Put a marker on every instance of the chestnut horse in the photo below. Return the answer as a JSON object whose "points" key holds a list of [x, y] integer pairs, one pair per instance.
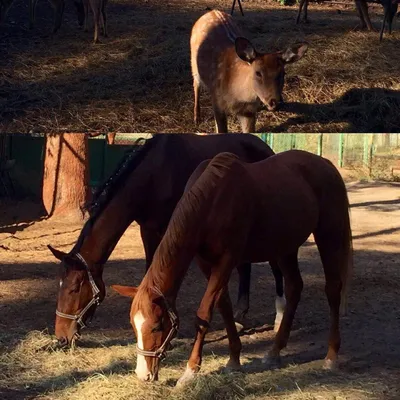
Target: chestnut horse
{"points": [[145, 188], [236, 212]]}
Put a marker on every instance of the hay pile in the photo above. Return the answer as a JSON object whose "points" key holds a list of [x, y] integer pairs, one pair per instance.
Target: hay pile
{"points": [[139, 79]]}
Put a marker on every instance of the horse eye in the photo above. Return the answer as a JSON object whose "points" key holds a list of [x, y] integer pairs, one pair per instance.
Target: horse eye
{"points": [[258, 74], [157, 328]]}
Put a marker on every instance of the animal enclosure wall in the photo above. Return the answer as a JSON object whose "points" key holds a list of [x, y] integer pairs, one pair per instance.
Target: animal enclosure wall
{"points": [[376, 155]]}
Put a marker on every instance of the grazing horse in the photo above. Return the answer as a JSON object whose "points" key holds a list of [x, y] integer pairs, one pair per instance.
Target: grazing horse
{"points": [[234, 212], [145, 188]]}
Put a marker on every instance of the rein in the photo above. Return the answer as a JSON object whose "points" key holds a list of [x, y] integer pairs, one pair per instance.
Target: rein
{"points": [[160, 352], [95, 299]]}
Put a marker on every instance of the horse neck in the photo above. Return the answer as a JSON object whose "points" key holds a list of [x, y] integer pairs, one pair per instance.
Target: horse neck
{"points": [[103, 234]]}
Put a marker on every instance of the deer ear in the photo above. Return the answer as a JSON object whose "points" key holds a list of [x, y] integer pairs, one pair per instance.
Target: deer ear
{"points": [[294, 53], [245, 50], [60, 255], [127, 291]]}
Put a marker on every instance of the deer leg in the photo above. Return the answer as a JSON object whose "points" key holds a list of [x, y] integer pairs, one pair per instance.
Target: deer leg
{"points": [[221, 122], [32, 10], [300, 9], [293, 287], [86, 11], [6, 6], [248, 123], [96, 18], [104, 17], [362, 11], [196, 89], [58, 6]]}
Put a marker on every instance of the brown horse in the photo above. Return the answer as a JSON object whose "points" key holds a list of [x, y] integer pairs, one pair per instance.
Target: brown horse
{"points": [[235, 212], [145, 188]]}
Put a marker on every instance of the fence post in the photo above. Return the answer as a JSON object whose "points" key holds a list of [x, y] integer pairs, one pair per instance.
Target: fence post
{"points": [[340, 158], [366, 149], [292, 141], [320, 142], [370, 153]]}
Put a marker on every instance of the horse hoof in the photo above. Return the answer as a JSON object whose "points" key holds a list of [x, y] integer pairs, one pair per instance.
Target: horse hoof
{"points": [[330, 365], [187, 377], [232, 366], [271, 362], [239, 326]]}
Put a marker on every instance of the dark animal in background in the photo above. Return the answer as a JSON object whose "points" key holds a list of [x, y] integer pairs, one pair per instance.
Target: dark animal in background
{"points": [[58, 6], [99, 16], [390, 7], [239, 79]]}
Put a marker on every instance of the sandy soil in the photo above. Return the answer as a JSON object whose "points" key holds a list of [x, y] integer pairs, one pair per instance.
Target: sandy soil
{"points": [[370, 354]]}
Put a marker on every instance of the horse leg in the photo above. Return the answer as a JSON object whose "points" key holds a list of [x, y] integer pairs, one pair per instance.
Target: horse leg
{"points": [[235, 345], [293, 287], [151, 239], [280, 301], [243, 302], [331, 260], [218, 277]]}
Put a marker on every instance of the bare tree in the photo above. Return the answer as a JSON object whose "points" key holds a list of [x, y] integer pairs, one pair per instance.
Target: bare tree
{"points": [[66, 174]]}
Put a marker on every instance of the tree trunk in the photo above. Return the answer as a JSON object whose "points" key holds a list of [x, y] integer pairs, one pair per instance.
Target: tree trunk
{"points": [[66, 174]]}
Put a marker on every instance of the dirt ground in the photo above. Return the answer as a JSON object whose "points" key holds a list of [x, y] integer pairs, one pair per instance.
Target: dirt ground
{"points": [[102, 366], [139, 79]]}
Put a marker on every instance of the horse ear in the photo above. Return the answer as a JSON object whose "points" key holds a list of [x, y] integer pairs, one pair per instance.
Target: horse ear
{"points": [[127, 291], [60, 255]]}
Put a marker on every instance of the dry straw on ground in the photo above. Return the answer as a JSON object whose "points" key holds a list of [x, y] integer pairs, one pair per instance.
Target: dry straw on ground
{"points": [[139, 79]]}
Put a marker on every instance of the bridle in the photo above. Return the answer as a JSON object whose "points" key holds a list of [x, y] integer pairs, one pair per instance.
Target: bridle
{"points": [[160, 352], [95, 299]]}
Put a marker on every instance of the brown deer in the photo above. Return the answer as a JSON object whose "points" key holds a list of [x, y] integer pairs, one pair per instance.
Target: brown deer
{"points": [[99, 16], [239, 79]]}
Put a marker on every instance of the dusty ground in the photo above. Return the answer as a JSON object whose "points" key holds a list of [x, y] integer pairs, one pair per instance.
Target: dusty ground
{"points": [[139, 79], [102, 367]]}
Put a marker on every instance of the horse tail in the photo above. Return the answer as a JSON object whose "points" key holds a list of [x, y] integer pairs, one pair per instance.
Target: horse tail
{"points": [[346, 267]]}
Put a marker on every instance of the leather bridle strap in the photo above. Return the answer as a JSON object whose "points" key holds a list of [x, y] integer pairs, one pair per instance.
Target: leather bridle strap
{"points": [[95, 299], [160, 352]]}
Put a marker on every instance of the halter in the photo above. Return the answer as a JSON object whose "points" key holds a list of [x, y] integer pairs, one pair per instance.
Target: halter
{"points": [[160, 352], [95, 299]]}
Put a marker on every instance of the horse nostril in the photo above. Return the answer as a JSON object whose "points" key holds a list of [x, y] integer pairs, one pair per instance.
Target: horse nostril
{"points": [[63, 341]]}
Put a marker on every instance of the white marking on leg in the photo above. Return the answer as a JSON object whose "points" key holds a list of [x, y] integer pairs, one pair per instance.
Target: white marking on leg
{"points": [[141, 370], [280, 304], [187, 376]]}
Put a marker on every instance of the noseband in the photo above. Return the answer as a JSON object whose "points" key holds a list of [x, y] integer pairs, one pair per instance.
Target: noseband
{"points": [[160, 352], [95, 299]]}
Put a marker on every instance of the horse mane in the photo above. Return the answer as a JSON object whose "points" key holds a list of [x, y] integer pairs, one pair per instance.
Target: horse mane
{"points": [[185, 219], [105, 193]]}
